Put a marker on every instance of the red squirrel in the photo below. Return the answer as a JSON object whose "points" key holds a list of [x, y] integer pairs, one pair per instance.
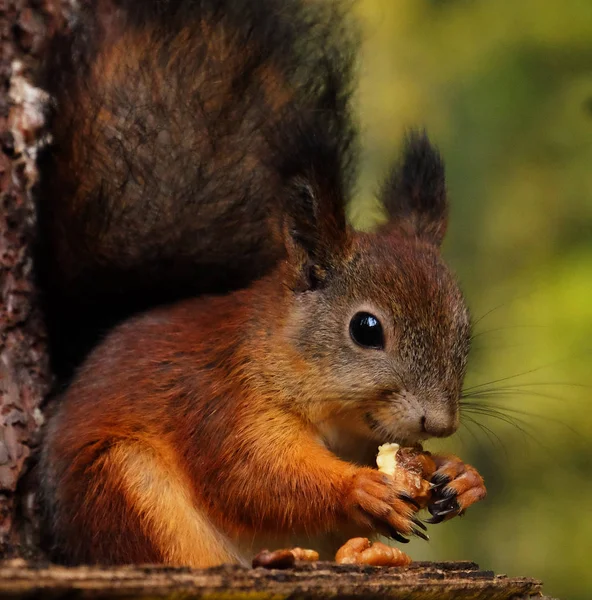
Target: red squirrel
{"points": [[236, 415]]}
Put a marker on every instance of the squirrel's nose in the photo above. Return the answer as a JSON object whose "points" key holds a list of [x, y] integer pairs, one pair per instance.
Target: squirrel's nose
{"points": [[440, 423]]}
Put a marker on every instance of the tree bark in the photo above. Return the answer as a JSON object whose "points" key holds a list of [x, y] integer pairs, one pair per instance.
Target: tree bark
{"points": [[25, 28]]}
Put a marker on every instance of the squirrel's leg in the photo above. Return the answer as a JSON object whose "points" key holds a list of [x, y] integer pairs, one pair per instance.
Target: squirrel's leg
{"points": [[161, 493], [137, 507]]}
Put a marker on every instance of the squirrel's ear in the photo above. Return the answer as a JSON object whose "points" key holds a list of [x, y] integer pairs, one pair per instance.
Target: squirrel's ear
{"points": [[414, 194], [314, 158], [316, 235]]}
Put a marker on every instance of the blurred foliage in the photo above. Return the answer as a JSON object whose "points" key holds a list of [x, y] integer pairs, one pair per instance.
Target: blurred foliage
{"points": [[505, 90]]}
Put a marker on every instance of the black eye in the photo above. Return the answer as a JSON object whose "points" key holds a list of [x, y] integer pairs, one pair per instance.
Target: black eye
{"points": [[366, 331]]}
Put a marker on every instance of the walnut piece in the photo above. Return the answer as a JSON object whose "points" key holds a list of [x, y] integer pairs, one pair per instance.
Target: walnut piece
{"points": [[305, 554], [360, 551], [410, 467], [283, 559], [278, 559]]}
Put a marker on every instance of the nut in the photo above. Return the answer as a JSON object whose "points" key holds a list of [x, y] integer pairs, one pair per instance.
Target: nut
{"points": [[360, 551], [283, 559]]}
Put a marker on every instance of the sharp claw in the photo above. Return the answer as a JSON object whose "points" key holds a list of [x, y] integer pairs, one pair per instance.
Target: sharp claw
{"points": [[447, 492], [443, 513], [397, 536], [447, 498], [419, 524], [421, 534], [437, 486], [440, 479], [409, 499], [435, 520], [444, 506]]}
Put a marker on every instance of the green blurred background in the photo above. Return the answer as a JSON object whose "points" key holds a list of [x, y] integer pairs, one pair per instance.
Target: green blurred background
{"points": [[504, 87]]}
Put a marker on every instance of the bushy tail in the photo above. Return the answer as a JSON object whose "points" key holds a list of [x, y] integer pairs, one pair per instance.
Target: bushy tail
{"points": [[160, 182]]}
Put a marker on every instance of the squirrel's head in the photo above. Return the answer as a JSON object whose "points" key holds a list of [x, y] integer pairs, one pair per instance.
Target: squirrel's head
{"points": [[378, 331]]}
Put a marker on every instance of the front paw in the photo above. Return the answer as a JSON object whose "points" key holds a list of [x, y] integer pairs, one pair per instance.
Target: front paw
{"points": [[378, 502], [455, 486]]}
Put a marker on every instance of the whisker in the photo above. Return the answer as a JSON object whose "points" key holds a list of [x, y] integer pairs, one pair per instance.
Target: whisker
{"points": [[506, 328], [503, 393], [462, 439], [507, 409], [514, 421], [491, 435], [478, 441], [541, 383], [501, 346], [519, 424], [507, 303], [509, 377], [489, 312]]}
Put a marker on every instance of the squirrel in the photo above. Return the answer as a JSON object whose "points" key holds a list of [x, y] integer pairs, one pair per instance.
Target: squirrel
{"points": [[233, 351]]}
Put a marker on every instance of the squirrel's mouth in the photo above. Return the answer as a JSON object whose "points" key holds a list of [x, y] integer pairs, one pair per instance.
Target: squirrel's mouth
{"points": [[394, 432]]}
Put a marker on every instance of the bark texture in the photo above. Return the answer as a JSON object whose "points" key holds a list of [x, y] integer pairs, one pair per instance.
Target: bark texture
{"points": [[25, 28], [420, 581]]}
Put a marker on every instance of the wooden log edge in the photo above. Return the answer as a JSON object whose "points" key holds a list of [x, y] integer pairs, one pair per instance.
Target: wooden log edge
{"points": [[420, 581]]}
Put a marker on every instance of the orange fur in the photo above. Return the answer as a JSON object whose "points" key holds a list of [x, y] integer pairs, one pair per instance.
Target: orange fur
{"points": [[207, 450], [160, 493]]}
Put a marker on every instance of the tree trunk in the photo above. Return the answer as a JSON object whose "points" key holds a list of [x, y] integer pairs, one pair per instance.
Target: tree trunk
{"points": [[25, 28]]}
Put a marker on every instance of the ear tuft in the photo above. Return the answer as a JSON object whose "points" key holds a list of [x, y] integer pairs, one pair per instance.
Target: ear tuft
{"points": [[315, 230], [414, 194], [314, 158]]}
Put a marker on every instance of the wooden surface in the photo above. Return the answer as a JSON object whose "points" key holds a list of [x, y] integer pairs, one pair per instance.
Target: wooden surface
{"points": [[421, 581]]}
